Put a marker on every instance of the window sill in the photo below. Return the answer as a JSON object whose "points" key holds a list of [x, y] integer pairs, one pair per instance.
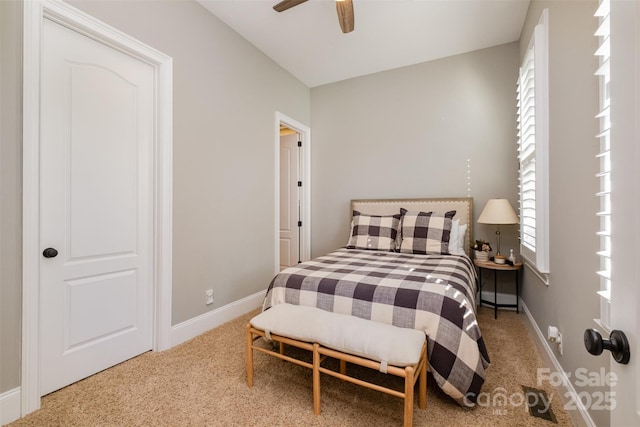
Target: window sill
{"points": [[544, 277]]}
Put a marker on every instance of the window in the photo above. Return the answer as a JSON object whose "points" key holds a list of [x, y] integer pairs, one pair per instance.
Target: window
{"points": [[533, 142], [604, 173]]}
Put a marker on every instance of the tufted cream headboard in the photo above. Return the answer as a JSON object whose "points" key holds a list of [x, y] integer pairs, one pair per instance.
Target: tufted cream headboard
{"points": [[462, 205]]}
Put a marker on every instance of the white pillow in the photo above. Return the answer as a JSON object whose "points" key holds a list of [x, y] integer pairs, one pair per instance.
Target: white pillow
{"points": [[462, 235], [457, 239], [453, 237]]}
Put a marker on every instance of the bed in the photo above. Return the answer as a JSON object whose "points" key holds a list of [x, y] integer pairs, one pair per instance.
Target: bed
{"points": [[419, 277]]}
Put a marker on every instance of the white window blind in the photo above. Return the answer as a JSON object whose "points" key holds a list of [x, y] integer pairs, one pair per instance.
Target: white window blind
{"points": [[604, 173], [527, 150], [532, 114]]}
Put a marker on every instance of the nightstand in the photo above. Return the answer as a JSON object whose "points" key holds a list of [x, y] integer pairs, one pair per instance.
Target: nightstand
{"points": [[490, 265]]}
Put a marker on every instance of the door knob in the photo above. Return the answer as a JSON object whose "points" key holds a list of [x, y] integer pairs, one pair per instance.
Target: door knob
{"points": [[617, 344], [50, 253]]}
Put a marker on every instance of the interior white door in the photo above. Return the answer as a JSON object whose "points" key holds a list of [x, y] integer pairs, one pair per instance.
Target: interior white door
{"points": [[625, 205], [289, 201], [96, 208]]}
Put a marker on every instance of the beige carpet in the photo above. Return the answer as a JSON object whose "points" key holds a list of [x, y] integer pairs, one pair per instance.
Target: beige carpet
{"points": [[202, 383]]}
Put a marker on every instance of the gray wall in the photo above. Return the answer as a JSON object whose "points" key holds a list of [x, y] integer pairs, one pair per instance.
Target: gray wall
{"points": [[411, 132], [10, 192], [570, 302], [226, 93]]}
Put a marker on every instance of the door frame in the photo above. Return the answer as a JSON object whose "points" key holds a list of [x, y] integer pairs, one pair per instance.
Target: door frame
{"points": [[34, 13], [305, 194]]}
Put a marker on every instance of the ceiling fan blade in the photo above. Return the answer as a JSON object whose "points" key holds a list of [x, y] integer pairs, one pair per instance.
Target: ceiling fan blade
{"points": [[287, 4], [345, 15]]}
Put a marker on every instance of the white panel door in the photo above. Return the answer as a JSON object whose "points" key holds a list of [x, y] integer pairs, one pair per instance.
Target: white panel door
{"points": [[289, 201], [625, 205], [96, 208]]}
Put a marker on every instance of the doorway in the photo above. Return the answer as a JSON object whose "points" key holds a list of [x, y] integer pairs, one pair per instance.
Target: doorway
{"points": [[293, 219], [290, 188]]}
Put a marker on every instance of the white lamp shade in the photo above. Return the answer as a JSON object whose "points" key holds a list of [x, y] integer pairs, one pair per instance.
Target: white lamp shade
{"points": [[498, 211]]}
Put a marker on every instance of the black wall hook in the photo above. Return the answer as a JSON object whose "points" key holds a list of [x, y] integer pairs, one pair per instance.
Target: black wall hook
{"points": [[617, 344]]}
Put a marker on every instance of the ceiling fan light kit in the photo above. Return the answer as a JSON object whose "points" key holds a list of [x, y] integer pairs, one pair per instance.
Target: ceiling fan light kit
{"points": [[345, 15], [343, 7]]}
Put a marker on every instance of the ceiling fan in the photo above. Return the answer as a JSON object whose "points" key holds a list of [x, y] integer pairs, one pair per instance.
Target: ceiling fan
{"points": [[344, 8]]}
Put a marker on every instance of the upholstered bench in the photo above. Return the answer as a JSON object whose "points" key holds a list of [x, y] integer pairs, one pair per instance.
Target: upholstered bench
{"points": [[389, 349]]}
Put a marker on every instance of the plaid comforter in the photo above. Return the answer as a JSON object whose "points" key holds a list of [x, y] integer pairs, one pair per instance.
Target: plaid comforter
{"points": [[431, 293]]}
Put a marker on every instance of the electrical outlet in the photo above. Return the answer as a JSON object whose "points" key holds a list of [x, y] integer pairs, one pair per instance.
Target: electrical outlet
{"points": [[209, 296]]}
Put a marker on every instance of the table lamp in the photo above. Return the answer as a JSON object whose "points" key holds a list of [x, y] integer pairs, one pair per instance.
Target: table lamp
{"points": [[498, 211]]}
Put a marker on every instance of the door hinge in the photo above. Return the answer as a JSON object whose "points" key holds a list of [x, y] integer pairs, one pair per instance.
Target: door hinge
{"points": [[299, 183], [299, 223], [299, 143]]}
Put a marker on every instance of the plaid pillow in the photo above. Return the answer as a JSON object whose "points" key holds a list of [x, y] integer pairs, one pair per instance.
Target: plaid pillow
{"points": [[371, 232], [425, 232]]}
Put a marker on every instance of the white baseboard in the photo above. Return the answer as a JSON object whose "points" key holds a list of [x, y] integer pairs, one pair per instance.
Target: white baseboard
{"points": [[198, 325], [571, 393], [9, 406]]}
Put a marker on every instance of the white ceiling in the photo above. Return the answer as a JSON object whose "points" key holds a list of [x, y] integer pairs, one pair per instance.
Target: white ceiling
{"points": [[307, 41]]}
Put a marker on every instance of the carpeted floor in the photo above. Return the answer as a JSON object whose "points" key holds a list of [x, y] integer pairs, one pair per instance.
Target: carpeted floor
{"points": [[202, 383]]}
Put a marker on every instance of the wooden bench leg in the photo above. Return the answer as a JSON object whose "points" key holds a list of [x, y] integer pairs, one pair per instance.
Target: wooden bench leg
{"points": [[409, 383], [343, 367], [316, 379], [249, 356]]}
